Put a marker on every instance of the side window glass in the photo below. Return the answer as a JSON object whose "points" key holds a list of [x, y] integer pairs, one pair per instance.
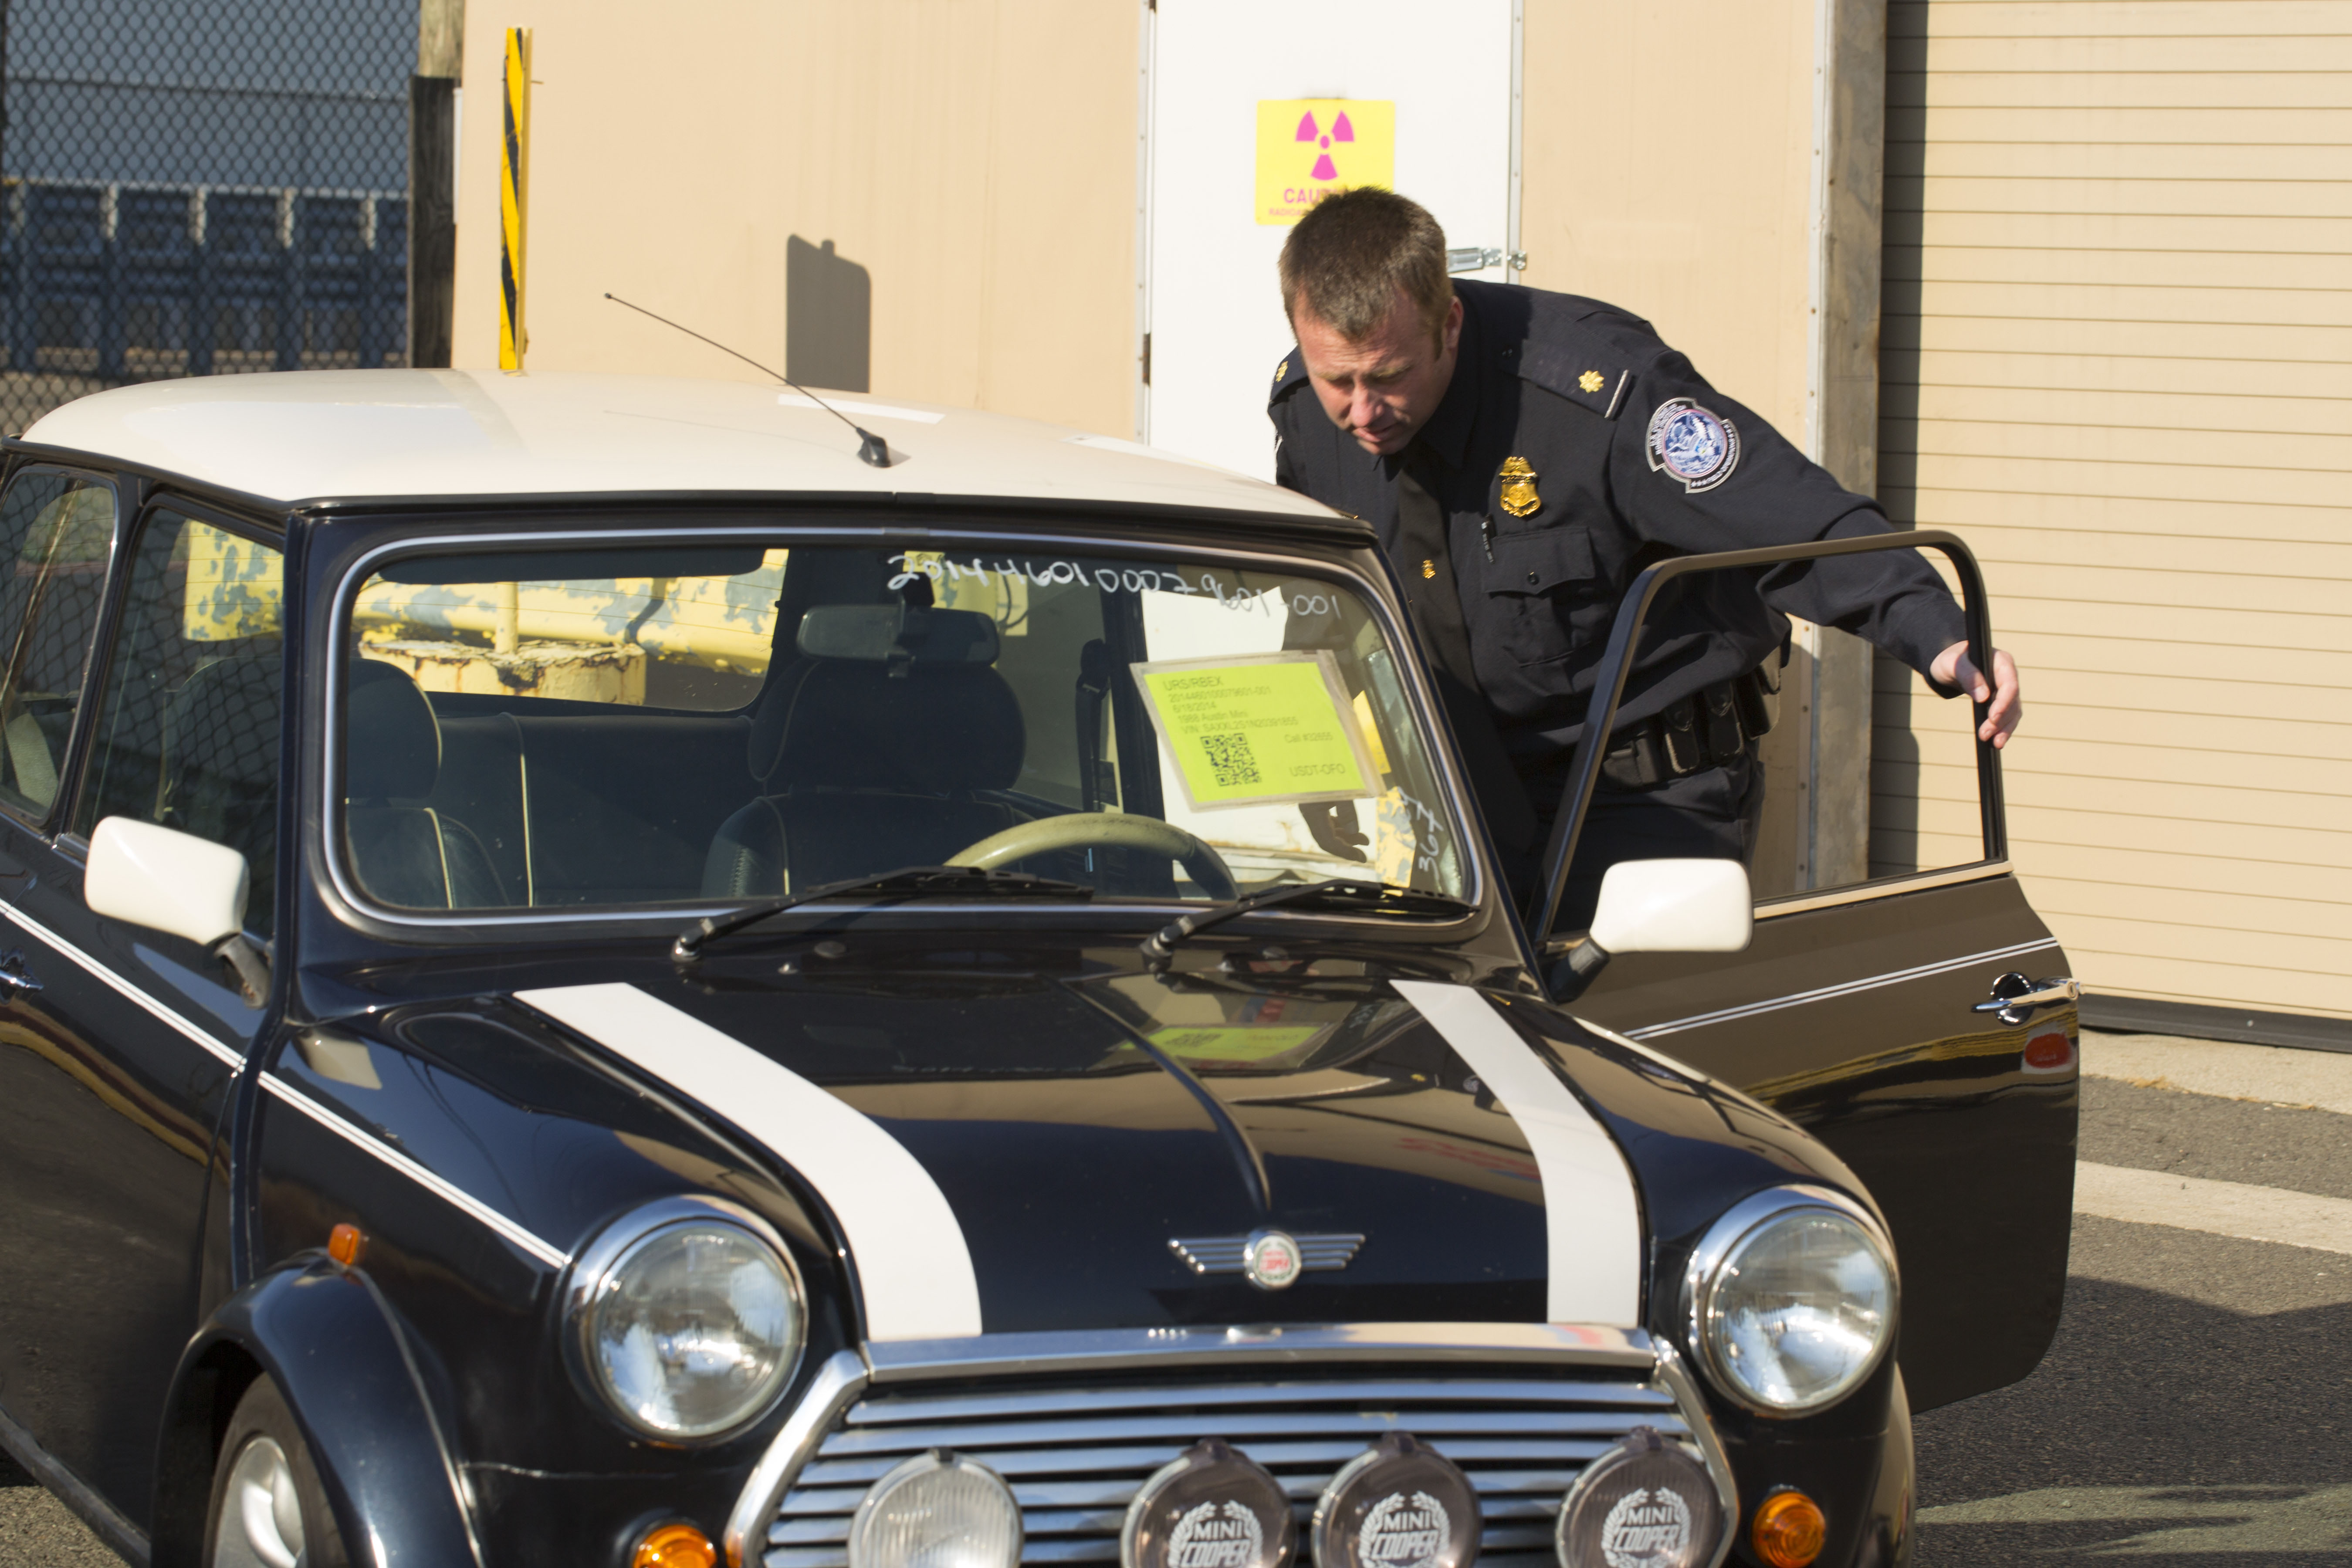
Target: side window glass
{"points": [[56, 532], [1868, 774], [186, 732]]}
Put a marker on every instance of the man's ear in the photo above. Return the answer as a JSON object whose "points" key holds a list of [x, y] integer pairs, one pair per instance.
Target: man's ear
{"points": [[1450, 335]]}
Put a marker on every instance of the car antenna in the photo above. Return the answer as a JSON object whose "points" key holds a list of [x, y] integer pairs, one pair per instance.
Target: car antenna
{"points": [[871, 448]]}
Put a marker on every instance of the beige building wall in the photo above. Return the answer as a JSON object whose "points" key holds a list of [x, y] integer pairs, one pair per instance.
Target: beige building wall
{"points": [[1675, 179], [2118, 359], [978, 159]]}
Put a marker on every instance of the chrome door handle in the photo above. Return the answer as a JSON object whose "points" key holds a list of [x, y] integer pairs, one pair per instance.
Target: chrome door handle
{"points": [[13, 981], [2014, 997]]}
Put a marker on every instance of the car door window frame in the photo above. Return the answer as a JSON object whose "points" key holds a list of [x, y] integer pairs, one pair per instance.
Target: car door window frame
{"points": [[73, 776], [69, 765], [1608, 691]]}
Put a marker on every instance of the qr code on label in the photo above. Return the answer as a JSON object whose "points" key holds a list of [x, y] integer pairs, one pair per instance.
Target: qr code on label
{"points": [[1231, 760]]}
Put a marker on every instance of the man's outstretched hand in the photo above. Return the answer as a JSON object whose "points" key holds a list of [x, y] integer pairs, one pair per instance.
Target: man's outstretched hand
{"points": [[1953, 666]]}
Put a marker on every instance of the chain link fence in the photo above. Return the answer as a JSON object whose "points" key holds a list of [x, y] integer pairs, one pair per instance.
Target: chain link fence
{"points": [[200, 188]]}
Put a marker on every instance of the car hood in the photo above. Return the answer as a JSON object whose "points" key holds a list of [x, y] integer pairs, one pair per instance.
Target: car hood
{"points": [[1024, 1152]]}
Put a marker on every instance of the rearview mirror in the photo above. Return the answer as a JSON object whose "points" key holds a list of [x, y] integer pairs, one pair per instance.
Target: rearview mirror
{"points": [[897, 634], [1660, 906], [166, 880]]}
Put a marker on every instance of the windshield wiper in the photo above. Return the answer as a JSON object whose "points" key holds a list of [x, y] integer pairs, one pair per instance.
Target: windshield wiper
{"points": [[1340, 893], [907, 882]]}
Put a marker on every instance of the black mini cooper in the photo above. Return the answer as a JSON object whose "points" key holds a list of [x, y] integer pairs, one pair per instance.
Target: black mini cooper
{"points": [[590, 980]]}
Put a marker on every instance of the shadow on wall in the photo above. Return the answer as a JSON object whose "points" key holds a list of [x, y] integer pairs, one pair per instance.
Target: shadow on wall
{"points": [[828, 318], [1895, 755]]}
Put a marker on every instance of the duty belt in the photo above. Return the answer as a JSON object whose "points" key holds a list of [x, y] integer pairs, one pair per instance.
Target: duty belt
{"points": [[1707, 729]]}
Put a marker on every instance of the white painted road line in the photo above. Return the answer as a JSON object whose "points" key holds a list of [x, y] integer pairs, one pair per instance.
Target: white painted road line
{"points": [[2320, 1079], [2171, 1521], [2216, 1209]]}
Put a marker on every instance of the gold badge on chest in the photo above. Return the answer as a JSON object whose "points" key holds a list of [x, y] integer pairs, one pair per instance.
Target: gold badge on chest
{"points": [[1520, 498]]}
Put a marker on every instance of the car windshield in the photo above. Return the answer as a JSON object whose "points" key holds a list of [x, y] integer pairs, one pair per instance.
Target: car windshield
{"points": [[634, 724]]}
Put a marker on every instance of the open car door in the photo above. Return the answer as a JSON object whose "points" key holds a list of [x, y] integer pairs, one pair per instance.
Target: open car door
{"points": [[1917, 1019]]}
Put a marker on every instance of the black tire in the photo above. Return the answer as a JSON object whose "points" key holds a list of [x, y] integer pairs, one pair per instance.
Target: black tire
{"points": [[264, 1488]]}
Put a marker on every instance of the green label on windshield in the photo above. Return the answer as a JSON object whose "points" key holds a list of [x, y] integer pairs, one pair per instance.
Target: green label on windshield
{"points": [[1258, 730], [1233, 1042]]}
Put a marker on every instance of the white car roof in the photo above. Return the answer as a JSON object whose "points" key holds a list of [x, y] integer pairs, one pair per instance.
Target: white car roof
{"points": [[311, 436]]}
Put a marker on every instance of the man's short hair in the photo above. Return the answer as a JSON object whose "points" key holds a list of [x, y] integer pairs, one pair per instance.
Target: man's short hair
{"points": [[1346, 260]]}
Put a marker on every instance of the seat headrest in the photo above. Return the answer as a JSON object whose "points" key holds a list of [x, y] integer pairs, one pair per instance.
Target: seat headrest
{"points": [[393, 743], [223, 724], [929, 730]]}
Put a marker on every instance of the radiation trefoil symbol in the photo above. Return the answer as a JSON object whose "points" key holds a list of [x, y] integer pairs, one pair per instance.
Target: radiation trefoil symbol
{"points": [[1341, 131]]}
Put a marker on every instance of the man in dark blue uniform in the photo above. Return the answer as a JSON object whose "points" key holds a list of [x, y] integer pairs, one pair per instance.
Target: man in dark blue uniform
{"points": [[1523, 454]]}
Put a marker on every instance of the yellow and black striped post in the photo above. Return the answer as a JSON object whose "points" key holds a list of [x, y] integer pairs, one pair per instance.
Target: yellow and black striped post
{"points": [[514, 196]]}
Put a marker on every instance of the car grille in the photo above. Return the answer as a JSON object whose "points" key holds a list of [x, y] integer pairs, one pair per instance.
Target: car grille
{"points": [[1075, 1455]]}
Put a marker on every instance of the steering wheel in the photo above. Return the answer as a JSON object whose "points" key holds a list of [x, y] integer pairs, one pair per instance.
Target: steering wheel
{"points": [[1083, 829]]}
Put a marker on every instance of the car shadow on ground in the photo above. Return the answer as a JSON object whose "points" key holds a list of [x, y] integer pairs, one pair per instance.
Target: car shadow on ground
{"points": [[2158, 1429]]}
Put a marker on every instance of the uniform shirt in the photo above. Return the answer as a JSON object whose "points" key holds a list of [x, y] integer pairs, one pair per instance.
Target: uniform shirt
{"points": [[1632, 458]]}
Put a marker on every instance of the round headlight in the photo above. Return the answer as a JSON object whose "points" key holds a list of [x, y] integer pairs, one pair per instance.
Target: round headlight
{"points": [[686, 1319], [1791, 1300], [937, 1511]]}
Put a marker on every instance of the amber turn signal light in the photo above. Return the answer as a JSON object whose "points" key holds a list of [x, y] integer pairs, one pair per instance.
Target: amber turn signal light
{"points": [[344, 1245], [683, 1546], [1789, 1530]]}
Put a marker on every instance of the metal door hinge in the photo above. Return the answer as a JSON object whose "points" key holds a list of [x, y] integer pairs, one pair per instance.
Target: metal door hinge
{"points": [[1474, 259]]}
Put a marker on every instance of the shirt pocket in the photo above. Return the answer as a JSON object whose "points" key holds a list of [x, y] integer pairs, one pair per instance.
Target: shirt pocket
{"points": [[1541, 590]]}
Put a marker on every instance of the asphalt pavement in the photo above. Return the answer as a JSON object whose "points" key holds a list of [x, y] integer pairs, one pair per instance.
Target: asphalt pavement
{"points": [[2193, 1412], [2194, 1409]]}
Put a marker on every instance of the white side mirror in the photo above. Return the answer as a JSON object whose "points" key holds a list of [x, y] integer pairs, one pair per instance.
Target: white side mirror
{"points": [[166, 879], [1659, 906], [1674, 905]]}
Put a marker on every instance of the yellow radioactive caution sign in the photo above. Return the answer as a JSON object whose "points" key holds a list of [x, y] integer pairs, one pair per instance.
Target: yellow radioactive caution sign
{"points": [[1309, 148]]}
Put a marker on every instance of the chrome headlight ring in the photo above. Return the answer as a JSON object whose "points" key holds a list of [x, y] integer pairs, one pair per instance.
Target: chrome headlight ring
{"points": [[1728, 1241], [598, 1276]]}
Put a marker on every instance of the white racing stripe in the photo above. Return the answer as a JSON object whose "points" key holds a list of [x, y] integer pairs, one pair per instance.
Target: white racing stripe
{"points": [[1592, 1223], [913, 1265], [2216, 1209]]}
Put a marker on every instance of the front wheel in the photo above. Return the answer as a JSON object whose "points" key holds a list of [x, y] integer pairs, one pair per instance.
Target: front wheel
{"points": [[268, 1510]]}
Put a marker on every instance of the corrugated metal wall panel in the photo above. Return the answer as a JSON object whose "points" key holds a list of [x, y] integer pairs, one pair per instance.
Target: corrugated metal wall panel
{"points": [[2117, 356]]}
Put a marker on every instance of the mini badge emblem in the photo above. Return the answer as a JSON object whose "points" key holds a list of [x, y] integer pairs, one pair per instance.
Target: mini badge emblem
{"points": [[1211, 1507], [1591, 380], [1520, 498], [1281, 370], [1399, 1504], [1271, 1260], [1428, 568], [1694, 446]]}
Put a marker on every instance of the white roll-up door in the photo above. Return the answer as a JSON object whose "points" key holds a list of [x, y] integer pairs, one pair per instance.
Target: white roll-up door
{"points": [[2117, 357]]}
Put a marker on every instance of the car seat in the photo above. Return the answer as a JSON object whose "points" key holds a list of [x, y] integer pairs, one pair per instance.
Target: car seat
{"points": [[405, 853], [218, 778], [870, 767]]}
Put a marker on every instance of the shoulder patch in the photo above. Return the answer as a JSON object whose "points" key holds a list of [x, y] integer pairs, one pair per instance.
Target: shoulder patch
{"points": [[1691, 444], [1289, 374]]}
